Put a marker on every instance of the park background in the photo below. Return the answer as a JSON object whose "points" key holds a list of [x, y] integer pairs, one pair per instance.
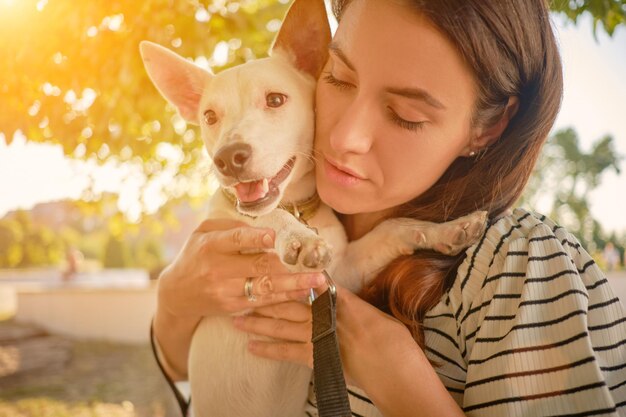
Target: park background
{"points": [[101, 182]]}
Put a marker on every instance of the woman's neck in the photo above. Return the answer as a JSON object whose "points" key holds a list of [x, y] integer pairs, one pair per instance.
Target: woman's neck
{"points": [[358, 225]]}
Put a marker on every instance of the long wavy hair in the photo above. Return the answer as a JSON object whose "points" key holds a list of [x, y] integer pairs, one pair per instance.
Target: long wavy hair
{"points": [[511, 49]]}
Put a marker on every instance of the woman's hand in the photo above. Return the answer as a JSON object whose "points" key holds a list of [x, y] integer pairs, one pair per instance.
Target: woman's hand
{"points": [[361, 328], [378, 352], [289, 323], [208, 278], [209, 274]]}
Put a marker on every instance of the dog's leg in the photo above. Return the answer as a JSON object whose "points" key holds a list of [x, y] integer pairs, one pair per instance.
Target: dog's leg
{"points": [[365, 257], [296, 244]]}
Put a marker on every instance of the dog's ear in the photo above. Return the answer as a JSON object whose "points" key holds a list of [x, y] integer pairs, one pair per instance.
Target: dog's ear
{"points": [[305, 35], [181, 82]]}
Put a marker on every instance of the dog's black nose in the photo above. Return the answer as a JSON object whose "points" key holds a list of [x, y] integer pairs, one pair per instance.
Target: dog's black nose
{"points": [[231, 160]]}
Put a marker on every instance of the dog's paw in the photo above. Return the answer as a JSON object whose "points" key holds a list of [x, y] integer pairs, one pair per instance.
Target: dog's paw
{"points": [[461, 233], [309, 252], [291, 251], [315, 253]]}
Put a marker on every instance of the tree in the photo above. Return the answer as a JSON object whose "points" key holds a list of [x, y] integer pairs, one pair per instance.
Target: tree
{"points": [[25, 244], [116, 253], [11, 250], [71, 73], [609, 13], [568, 174]]}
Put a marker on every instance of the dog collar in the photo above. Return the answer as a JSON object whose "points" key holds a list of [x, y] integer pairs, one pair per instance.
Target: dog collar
{"points": [[302, 210]]}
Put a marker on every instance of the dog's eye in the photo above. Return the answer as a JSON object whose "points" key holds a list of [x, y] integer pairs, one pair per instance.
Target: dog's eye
{"points": [[275, 99], [210, 117]]}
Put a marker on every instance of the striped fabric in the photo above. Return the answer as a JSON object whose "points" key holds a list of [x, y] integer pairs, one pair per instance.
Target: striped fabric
{"points": [[530, 327]]}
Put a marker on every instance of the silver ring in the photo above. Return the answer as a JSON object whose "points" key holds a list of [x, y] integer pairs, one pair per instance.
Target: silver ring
{"points": [[247, 289]]}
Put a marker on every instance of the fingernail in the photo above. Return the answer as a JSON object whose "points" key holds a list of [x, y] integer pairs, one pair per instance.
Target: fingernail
{"points": [[238, 321], [252, 345], [267, 241], [317, 280]]}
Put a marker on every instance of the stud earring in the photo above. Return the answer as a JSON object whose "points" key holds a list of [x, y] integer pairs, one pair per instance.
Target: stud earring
{"points": [[472, 153]]}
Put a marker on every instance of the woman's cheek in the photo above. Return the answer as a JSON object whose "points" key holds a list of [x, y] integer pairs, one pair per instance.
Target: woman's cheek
{"points": [[325, 112]]}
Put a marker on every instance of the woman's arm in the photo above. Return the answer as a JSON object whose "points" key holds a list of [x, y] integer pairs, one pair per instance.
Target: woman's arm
{"points": [[382, 358], [173, 337], [207, 278]]}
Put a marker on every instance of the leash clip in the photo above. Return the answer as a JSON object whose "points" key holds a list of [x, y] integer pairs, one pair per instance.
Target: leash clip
{"points": [[331, 288]]}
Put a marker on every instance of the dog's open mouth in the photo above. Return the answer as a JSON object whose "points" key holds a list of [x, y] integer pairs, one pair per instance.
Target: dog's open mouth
{"points": [[256, 193]]}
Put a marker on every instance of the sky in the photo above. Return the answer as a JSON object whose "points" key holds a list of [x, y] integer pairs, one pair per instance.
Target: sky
{"points": [[594, 104]]}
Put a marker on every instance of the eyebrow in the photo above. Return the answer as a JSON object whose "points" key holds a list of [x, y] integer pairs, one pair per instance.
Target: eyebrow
{"points": [[333, 47], [417, 94], [408, 92]]}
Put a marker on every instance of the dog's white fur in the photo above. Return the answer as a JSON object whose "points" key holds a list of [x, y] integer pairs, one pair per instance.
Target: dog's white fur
{"points": [[226, 380]]}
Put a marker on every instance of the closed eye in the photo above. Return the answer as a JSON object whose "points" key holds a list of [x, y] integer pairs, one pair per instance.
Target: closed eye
{"points": [[341, 85], [405, 124]]}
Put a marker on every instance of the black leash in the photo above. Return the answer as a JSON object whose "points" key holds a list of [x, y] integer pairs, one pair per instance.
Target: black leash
{"points": [[330, 385]]}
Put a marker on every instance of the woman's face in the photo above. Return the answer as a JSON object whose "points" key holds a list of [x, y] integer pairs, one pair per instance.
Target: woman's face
{"points": [[394, 104]]}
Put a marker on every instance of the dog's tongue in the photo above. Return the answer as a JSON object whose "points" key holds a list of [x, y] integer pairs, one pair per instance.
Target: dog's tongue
{"points": [[248, 192]]}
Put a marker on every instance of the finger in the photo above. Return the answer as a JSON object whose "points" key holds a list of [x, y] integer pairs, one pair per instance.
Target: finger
{"points": [[323, 287], [238, 239], [266, 284], [300, 353], [239, 304], [275, 328], [230, 266], [290, 310], [210, 225]]}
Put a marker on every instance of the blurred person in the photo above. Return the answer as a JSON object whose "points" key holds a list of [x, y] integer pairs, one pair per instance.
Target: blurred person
{"points": [[610, 254], [73, 259]]}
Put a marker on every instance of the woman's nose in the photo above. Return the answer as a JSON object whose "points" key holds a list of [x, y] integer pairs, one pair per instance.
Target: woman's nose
{"points": [[354, 130]]}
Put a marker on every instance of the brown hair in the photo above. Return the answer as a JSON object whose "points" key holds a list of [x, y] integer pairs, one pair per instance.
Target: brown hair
{"points": [[511, 49]]}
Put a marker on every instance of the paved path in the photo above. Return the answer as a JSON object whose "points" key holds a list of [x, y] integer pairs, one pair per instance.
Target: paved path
{"points": [[24, 348]]}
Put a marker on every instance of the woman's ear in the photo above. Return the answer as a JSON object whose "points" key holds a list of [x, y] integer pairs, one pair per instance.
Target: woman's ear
{"points": [[487, 136]]}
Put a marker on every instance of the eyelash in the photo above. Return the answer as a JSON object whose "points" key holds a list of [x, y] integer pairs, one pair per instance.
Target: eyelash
{"points": [[405, 124], [330, 79]]}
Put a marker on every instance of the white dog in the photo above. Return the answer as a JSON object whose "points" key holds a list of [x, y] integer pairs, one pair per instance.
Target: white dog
{"points": [[257, 122]]}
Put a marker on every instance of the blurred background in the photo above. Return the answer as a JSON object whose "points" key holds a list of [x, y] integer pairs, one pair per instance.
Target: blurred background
{"points": [[101, 182]]}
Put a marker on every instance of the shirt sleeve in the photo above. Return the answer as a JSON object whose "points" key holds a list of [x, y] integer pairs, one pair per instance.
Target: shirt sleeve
{"points": [[542, 333]]}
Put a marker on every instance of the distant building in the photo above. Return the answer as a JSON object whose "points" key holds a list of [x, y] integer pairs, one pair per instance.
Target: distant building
{"points": [[54, 214]]}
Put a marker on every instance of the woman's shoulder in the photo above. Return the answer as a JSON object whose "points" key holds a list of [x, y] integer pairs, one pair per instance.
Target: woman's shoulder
{"points": [[519, 248], [529, 301], [519, 226]]}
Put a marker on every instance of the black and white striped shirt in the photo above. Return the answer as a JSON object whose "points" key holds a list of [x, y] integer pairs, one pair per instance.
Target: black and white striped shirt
{"points": [[530, 327]]}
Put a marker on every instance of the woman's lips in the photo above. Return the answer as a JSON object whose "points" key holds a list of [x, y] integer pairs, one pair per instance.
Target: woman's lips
{"points": [[341, 176]]}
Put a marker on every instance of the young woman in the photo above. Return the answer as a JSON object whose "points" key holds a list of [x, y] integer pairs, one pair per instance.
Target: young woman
{"points": [[430, 109]]}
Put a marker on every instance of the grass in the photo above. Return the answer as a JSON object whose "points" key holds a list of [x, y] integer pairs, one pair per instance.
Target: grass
{"points": [[54, 408], [100, 379]]}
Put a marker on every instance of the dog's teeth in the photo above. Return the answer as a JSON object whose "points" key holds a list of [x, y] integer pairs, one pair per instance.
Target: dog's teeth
{"points": [[266, 185]]}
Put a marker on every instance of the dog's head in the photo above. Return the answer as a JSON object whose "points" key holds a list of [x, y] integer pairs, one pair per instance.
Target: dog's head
{"points": [[256, 119]]}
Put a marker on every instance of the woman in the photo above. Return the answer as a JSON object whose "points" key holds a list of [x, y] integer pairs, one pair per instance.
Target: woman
{"points": [[430, 109]]}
